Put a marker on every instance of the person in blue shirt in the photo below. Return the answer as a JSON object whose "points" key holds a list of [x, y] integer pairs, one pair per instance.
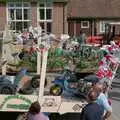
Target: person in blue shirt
{"points": [[102, 100], [92, 111]]}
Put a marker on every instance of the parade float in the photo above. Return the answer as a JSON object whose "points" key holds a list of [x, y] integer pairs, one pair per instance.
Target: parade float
{"points": [[56, 71]]}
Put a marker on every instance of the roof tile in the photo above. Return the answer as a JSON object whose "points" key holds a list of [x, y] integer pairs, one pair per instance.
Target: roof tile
{"points": [[94, 8]]}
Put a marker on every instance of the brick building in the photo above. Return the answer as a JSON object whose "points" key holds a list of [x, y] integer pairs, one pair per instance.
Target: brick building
{"points": [[60, 16], [50, 14], [90, 16]]}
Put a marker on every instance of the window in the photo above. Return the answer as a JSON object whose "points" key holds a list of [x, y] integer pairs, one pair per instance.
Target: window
{"points": [[19, 15], [84, 24], [102, 26], [45, 16]]}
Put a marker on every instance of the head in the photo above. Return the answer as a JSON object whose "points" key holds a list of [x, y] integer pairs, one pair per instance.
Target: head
{"points": [[98, 87], [92, 96], [35, 108]]}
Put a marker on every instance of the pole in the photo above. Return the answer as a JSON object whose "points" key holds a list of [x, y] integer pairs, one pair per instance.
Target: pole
{"points": [[43, 74], [39, 53], [3, 66]]}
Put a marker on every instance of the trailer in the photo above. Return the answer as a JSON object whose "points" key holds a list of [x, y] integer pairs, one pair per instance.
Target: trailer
{"points": [[17, 102]]}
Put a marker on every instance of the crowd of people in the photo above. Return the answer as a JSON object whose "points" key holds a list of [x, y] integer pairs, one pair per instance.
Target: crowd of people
{"points": [[98, 106]]}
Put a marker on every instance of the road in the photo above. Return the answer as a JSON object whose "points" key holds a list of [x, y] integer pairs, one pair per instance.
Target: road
{"points": [[115, 95]]}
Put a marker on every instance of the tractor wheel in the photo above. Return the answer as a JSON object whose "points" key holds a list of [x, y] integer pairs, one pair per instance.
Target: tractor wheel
{"points": [[35, 82], [56, 90], [27, 91], [7, 90]]}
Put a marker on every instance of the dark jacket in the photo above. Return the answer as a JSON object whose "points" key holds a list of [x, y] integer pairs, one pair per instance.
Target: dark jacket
{"points": [[92, 111]]}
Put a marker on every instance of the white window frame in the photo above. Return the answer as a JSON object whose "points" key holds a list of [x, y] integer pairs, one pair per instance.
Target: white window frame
{"points": [[101, 25], [22, 8], [44, 20], [88, 24]]}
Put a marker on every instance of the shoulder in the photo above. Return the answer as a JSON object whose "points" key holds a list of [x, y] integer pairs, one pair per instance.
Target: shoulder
{"points": [[90, 106], [102, 96], [44, 117]]}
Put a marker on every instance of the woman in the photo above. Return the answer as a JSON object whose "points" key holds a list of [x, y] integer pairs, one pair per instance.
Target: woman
{"points": [[34, 112]]}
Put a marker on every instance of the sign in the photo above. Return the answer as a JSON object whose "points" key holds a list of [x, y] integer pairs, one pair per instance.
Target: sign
{"points": [[71, 107], [22, 103], [50, 103], [16, 102]]}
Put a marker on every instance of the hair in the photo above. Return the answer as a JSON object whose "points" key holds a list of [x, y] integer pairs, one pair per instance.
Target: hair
{"points": [[35, 108], [99, 87], [92, 95]]}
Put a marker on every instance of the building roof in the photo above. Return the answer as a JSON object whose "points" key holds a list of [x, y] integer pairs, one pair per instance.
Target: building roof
{"points": [[60, 0], [94, 9], [34, 0]]}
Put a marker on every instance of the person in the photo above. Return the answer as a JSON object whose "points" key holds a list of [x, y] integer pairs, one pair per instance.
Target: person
{"points": [[34, 112], [82, 38], [102, 100], [92, 111]]}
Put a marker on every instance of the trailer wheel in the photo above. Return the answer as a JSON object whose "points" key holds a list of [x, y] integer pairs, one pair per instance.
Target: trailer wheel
{"points": [[7, 90], [35, 82], [56, 90], [26, 91], [22, 116]]}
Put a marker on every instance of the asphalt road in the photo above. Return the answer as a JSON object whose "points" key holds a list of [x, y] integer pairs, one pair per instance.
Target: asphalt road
{"points": [[115, 95]]}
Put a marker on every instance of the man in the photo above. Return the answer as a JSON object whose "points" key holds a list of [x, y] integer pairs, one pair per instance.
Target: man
{"points": [[102, 100], [92, 111], [34, 112]]}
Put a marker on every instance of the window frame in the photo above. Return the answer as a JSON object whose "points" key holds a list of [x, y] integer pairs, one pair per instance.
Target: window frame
{"points": [[102, 24], [22, 7], [45, 20], [88, 24]]}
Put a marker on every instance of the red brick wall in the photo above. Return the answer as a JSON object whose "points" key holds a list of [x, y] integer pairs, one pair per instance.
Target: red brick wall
{"points": [[74, 28], [71, 28], [3, 20], [34, 14], [78, 28], [57, 16]]}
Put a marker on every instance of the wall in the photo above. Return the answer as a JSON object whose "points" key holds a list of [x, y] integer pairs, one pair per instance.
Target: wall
{"points": [[2, 15], [57, 24], [34, 14], [74, 28]]}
